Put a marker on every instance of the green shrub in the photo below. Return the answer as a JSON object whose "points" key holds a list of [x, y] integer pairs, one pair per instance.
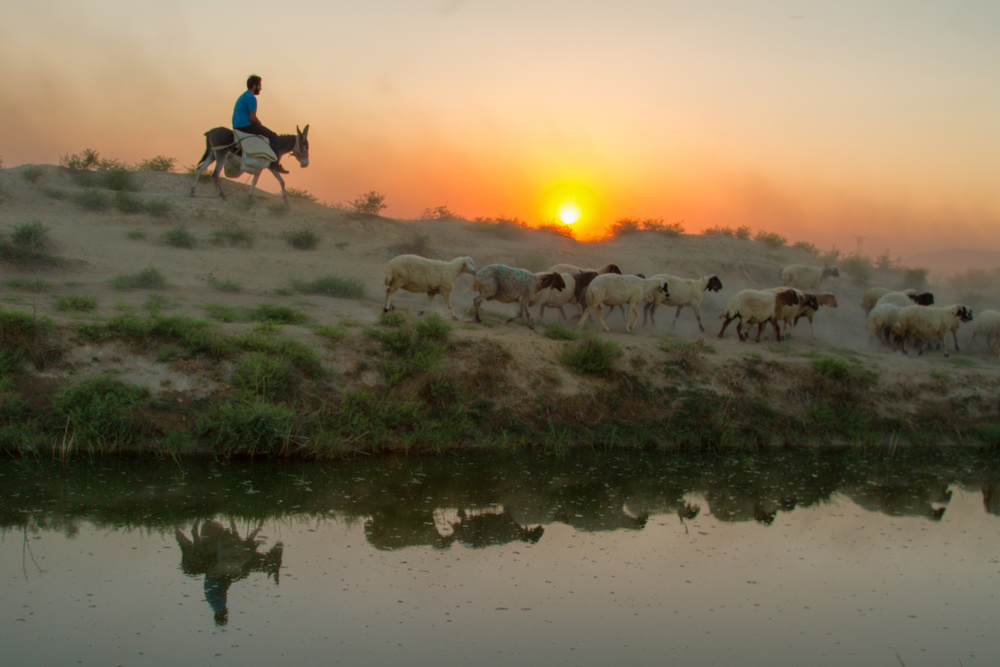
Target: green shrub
{"points": [[857, 266], [92, 200], [439, 213], [26, 337], [805, 245], [146, 279], [303, 239], [249, 428], [75, 303], [88, 159], [330, 285], [102, 413], [224, 285], [32, 173], [409, 348], [29, 242], [136, 234], [30, 285], [273, 312], [770, 239], [559, 331], [592, 356], [158, 208], [224, 313], [157, 163], [120, 179], [53, 193], [625, 226], [296, 193], [370, 203], [129, 203], [233, 236], [180, 237], [264, 376]]}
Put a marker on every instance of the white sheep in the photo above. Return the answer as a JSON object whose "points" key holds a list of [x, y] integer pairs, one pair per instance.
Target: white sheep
{"points": [[988, 325], [611, 289], [756, 307], [417, 274], [873, 294], [929, 323], [553, 298], [880, 320], [683, 292], [907, 298], [806, 277], [506, 284]]}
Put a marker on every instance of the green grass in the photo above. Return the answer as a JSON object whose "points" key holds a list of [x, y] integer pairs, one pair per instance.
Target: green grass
{"points": [[232, 236], [224, 284], [29, 243], [302, 239], [128, 203], [180, 237], [101, 414], [278, 314], [74, 303], [249, 427], [559, 331], [37, 285], [32, 174], [146, 279], [159, 208], [410, 347], [224, 313], [330, 285], [92, 200], [265, 376], [592, 356]]}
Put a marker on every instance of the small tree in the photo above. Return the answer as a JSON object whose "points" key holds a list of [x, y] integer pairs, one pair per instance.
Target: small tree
{"points": [[370, 203], [439, 213]]}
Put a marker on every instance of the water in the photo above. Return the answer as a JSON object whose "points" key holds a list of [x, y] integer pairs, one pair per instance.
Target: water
{"points": [[824, 558]]}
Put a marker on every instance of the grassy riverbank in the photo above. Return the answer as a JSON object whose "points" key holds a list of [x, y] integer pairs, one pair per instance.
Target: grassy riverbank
{"points": [[153, 322]]}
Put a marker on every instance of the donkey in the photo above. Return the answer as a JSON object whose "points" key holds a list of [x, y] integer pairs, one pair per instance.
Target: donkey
{"points": [[220, 142]]}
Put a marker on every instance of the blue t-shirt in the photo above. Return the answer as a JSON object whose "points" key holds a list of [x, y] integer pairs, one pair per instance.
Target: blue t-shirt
{"points": [[245, 103]]}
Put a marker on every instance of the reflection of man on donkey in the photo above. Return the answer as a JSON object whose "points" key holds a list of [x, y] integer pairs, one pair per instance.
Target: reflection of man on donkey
{"points": [[245, 117], [224, 557]]}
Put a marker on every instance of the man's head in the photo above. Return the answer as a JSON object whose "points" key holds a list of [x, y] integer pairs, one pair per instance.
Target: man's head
{"points": [[253, 83]]}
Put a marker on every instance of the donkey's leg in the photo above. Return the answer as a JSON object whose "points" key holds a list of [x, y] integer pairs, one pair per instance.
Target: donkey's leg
{"points": [[253, 184], [220, 161], [209, 159], [274, 170]]}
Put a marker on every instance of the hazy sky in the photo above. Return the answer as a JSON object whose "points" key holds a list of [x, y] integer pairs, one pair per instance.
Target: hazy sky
{"points": [[819, 120]]}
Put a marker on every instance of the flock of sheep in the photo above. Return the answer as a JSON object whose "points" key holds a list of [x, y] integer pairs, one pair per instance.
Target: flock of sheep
{"points": [[894, 318]]}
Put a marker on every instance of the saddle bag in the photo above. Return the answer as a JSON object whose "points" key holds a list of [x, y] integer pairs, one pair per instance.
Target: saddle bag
{"points": [[256, 153]]}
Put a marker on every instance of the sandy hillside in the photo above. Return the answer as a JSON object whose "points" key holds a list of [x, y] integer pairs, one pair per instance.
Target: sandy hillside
{"points": [[95, 247]]}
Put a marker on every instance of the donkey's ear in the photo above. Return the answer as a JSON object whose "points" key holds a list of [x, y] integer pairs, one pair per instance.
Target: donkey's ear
{"points": [[304, 132]]}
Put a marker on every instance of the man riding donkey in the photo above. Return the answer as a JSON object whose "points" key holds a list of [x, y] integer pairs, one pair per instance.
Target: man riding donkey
{"points": [[250, 147], [245, 117]]}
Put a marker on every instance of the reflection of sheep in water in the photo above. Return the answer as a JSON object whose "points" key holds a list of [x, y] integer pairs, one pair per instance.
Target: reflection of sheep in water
{"points": [[904, 499], [486, 529]]}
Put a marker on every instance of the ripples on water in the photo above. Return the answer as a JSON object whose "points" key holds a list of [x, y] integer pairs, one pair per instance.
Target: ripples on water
{"points": [[766, 558]]}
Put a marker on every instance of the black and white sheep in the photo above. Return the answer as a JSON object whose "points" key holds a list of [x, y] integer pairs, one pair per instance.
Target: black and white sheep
{"points": [[611, 289], [556, 298], [684, 292], [907, 298], [756, 307], [925, 323], [805, 277], [823, 299], [787, 313], [507, 284], [420, 275]]}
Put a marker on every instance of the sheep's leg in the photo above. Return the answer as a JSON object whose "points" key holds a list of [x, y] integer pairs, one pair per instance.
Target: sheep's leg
{"points": [[777, 329], [600, 316], [447, 300], [697, 316], [944, 343], [726, 324], [647, 313], [630, 322], [954, 334], [475, 303], [583, 318]]}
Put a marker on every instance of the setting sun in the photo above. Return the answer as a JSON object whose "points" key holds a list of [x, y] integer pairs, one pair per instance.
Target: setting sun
{"points": [[569, 212]]}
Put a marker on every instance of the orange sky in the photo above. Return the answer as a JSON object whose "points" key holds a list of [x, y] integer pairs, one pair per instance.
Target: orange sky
{"points": [[820, 121]]}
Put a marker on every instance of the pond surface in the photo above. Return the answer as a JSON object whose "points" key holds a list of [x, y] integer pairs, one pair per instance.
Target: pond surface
{"points": [[790, 557]]}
